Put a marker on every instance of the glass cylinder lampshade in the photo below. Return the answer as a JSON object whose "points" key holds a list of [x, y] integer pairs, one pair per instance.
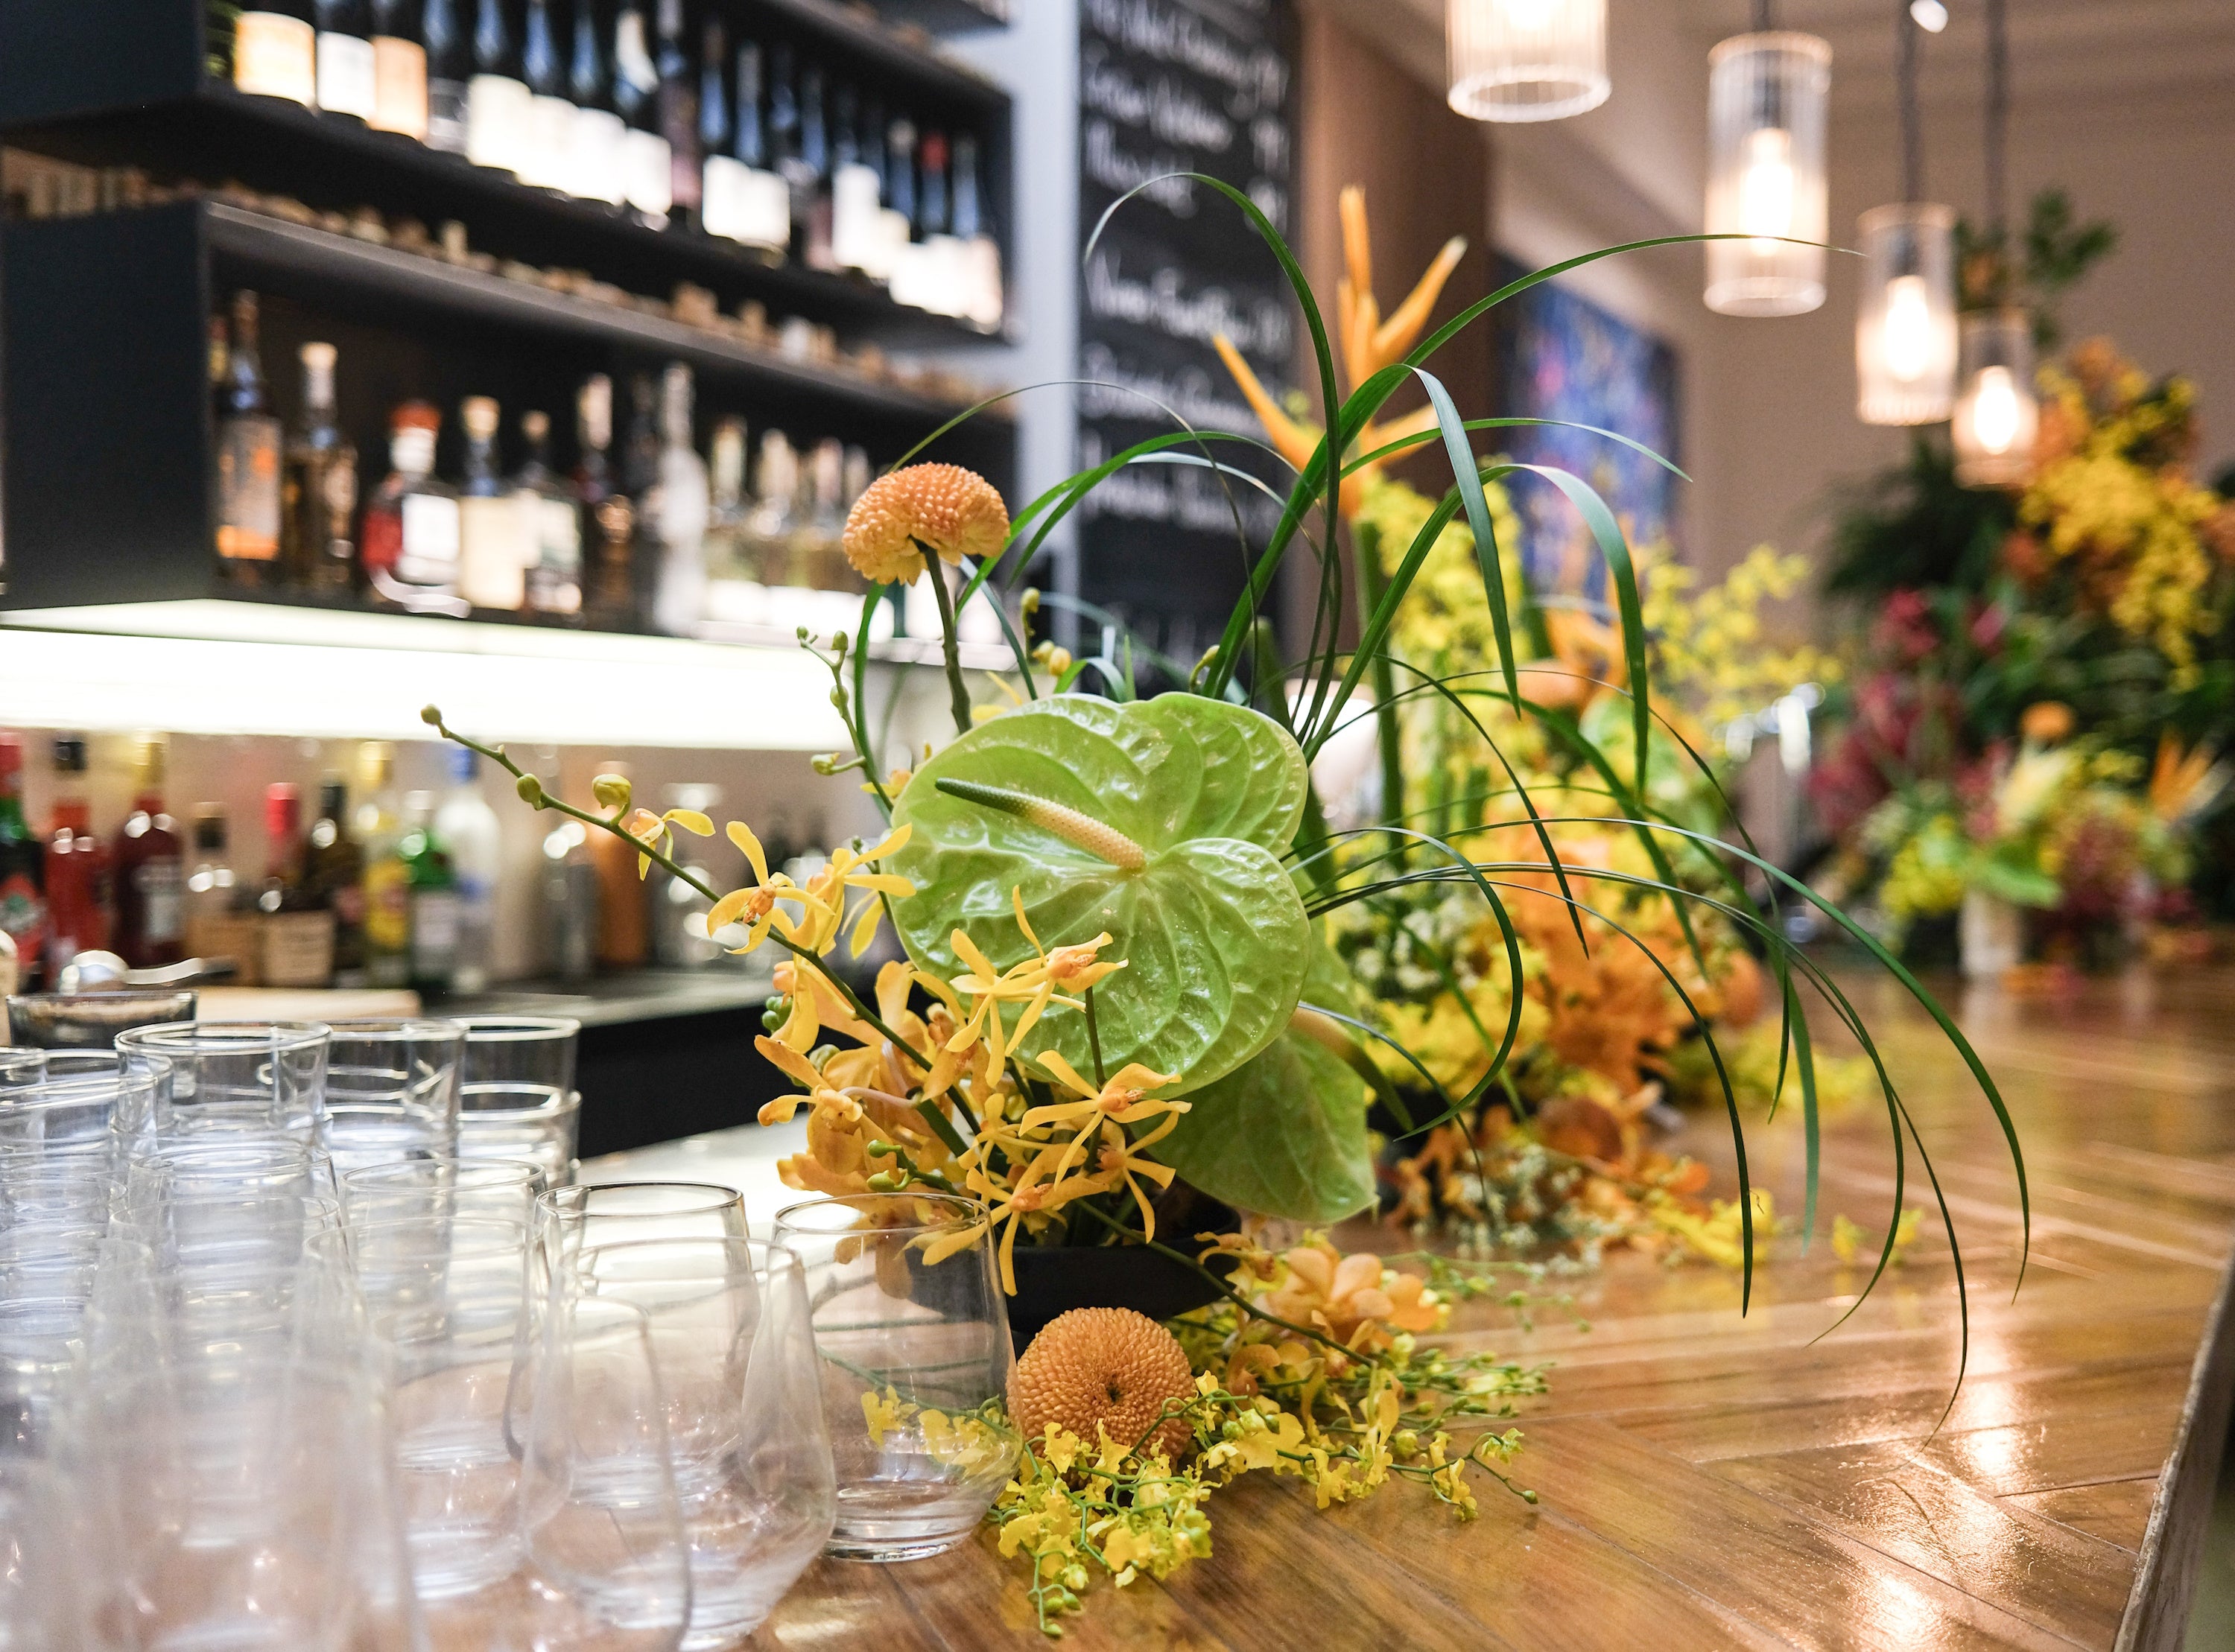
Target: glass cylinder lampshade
{"points": [[1995, 416], [1765, 102], [1526, 60], [1906, 328]]}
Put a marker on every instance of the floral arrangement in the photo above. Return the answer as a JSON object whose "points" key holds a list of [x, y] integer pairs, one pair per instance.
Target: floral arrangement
{"points": [[2037, 727], [1120, 1021]]}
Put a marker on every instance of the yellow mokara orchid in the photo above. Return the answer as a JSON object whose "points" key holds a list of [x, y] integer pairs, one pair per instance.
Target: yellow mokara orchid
{"points": [[755, 905]]}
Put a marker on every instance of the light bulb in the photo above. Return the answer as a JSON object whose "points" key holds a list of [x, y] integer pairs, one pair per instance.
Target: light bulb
{"points": [[1931, 16], [1995, 410], [1908, 328], [1767, 187]]}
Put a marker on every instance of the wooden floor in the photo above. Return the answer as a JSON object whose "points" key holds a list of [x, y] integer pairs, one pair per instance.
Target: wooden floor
{"points": [[1710, 1481]]}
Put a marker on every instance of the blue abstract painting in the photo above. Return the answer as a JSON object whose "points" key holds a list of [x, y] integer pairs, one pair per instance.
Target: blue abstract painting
{"points": [[1562, 356]]}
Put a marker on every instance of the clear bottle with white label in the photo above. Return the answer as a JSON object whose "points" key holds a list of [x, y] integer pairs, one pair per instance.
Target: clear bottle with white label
{"points": [[554, 576], [275, 51], [679, 599], [498, 103], [647, 175], [411, 537], [593, 147], [494, 549], [346, 82], [465, 827]]}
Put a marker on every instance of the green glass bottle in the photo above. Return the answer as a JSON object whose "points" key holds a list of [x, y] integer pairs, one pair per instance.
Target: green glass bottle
{"points": [[435, 905]]}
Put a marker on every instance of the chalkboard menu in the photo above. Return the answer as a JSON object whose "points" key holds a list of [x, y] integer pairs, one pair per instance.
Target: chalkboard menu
{"points": [[1169, 86]]}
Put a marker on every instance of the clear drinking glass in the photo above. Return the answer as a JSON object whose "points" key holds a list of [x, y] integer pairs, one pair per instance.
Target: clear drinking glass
{"points": [[751, 1454], [522, 1050], [520, 1121], [391, 1091], [411, 1263], [267, 1076], [90, 1020], [439, 1189], [587, 1214], [915, 1358], [597, 1508]]}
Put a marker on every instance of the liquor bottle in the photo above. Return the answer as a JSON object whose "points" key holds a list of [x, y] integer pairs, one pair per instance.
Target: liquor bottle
{"points": [[498, 102], [466, 828], [76, 865], [856, 192], [899, 215], [150, 874], [333, 878], [22, 868], [593, 149], [411, 522], [821, 550], [677, 99], [782, 116], [761, 199], [718, 166], [247, 460], [607, 521], [726, 552], [449, 73], [296, 933], [983, 299], [811, 179], [680, 602], [212, 888], [493, 548], [545, 157], [770, 529], [318, 496], [432, 889], [346, 80], [275, 51], [387, 892], [553, 583], [281, 889], [942, 258], [399, 71], [639, 468], [647, 168]]}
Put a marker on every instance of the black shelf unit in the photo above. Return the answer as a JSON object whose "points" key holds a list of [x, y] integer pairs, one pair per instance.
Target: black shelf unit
{"points": [[948, 16], [124, 82], [104, 381]]}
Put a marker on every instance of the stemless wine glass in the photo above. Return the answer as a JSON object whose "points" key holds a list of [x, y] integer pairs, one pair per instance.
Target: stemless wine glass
{"points": [[750, 1454], [915, 1357], [598, 1513], [391, 1091], [586, 1214], [258, 1076], [438, 1189]]}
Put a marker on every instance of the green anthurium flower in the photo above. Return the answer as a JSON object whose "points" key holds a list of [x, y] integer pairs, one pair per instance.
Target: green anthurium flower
{"points": [[1160, 822], [1284, 1133]]}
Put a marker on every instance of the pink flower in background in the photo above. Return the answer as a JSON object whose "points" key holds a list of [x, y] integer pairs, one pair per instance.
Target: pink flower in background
{"points": [[1988, 625], [1905, 628]]}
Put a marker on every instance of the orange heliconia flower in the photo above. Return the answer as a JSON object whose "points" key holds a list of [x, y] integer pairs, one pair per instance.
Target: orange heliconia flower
{"points": [[945, 508]]}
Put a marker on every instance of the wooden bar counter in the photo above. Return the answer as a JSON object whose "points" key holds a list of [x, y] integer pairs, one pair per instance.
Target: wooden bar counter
{"points": [[1710, 1481]]}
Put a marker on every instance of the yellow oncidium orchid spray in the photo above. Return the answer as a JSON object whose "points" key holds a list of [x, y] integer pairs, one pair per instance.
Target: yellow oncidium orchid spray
{"points": [[849, 868], [755, 904], [1037, 983], [1367, 344]]}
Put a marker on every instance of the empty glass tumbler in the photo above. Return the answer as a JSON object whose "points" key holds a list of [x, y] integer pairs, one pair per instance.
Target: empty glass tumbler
{"points": [[266, 1076], [915, 1362], [391, 1091]]}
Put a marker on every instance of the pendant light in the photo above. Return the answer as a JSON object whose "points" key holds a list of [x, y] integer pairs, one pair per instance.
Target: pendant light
{"points": [[1526, 60], [1767, 93], [1905, 324], [1996, 415]]}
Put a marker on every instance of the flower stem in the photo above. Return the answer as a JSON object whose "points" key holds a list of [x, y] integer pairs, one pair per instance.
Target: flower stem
{"points": [[951, 640], [1094, 1043]]}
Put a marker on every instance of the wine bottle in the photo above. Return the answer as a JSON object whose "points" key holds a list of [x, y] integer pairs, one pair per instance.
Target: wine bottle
{"points": [[23, 911], [855, 192], [543, 161], [593, 165], [680, 600], [345, 59], [718, 166], [608, 518], [498, 102], [399, 71], [553, 529], [679, 113], [275, 51], [247, 460], [150, 873], [492, 554], [760, 197], [333, 878], [810, 204], [647, 182], [318, 497], [944, 274], [450, 69], [983, 299]]}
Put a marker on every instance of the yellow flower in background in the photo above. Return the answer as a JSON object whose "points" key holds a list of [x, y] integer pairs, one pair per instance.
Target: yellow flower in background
{"points": [[851, 869], [658, 831]]}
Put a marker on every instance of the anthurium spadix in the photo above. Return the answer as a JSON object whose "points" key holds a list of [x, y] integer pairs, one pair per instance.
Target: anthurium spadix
{"points": [[1160, 821]]}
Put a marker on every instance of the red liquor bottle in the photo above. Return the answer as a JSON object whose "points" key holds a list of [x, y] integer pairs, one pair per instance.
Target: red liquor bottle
{"points": [[23, 867], [151, 882], [77, 865]]}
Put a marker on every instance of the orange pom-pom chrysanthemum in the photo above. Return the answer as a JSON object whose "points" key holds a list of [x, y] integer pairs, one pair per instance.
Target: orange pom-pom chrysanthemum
{"points": [[1109, 1367], [954, 511]]}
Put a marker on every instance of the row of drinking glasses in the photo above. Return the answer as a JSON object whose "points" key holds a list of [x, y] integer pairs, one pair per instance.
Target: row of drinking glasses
{"points": [[277, 1371]]}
